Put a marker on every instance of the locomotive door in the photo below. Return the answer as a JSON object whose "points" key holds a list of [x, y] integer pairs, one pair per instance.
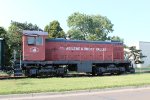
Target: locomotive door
{"points": [[61, 51]]}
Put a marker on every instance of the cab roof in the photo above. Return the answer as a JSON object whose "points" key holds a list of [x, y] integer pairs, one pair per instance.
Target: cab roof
{"points": [[28, 32]]}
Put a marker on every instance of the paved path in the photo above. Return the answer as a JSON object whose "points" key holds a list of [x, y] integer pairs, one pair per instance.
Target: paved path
{"points": [[114, 94]]}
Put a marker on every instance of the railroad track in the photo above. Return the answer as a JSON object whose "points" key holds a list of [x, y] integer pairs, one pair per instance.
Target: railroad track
{"points": [[11, 77], [66, 76], [3, 77]]}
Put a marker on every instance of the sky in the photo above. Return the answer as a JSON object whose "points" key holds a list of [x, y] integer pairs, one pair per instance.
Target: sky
{"points": [[131, 18]]}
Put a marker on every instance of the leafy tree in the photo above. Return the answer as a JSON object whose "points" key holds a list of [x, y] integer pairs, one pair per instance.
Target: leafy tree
{"points": [[90, 27], [75, 34], [4, 35], [54, 30], [23, 26], [116, 38], [135, 55]]}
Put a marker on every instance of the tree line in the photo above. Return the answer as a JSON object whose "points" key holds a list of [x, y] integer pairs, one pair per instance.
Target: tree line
{"points": [[81, 27]]}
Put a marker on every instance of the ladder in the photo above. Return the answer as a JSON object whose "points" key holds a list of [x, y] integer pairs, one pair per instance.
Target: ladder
{"points": [[17, 70]]}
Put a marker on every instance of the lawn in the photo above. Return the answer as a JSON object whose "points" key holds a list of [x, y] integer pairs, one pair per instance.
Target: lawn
{"points": [[34, 85]]}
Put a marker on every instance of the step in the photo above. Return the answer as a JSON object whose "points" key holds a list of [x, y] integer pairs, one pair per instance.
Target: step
{"points": [[18, 72]]}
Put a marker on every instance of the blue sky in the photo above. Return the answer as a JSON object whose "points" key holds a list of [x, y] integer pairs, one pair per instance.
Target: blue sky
{"points": [[131, 18]]}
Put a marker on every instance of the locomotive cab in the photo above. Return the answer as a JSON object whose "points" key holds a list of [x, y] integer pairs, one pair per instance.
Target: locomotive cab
{"points": [[33, 45]]}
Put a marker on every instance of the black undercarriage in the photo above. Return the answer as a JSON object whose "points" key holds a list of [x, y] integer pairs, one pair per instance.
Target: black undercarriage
{"points": [[61, 68]]}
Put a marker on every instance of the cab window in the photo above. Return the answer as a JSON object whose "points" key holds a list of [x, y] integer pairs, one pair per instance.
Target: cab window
{"points": [[35, 40], [31, 40], [39, 41]]}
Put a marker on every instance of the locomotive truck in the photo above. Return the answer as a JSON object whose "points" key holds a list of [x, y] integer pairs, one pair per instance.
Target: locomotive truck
{"points": [[57, 57]]}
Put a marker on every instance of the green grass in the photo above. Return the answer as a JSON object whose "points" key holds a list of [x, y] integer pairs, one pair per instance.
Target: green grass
{"points": [[34, 85]]}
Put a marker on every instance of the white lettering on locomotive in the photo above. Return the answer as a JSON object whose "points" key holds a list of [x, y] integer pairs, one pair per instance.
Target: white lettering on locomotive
{"points": [[85, 49]]}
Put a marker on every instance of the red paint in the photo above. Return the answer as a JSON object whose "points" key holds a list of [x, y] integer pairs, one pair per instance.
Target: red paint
{"points": [[83, 51]]}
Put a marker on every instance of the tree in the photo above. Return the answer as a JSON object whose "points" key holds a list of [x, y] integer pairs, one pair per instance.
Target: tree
{"points": [[90, 27], [4, 35], [54, 30], [75, 34], [116, 38], [135, 55], [15, 33]]}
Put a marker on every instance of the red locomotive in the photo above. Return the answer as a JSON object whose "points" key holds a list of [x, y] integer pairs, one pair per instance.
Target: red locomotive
{"points": [[42, 56]]}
